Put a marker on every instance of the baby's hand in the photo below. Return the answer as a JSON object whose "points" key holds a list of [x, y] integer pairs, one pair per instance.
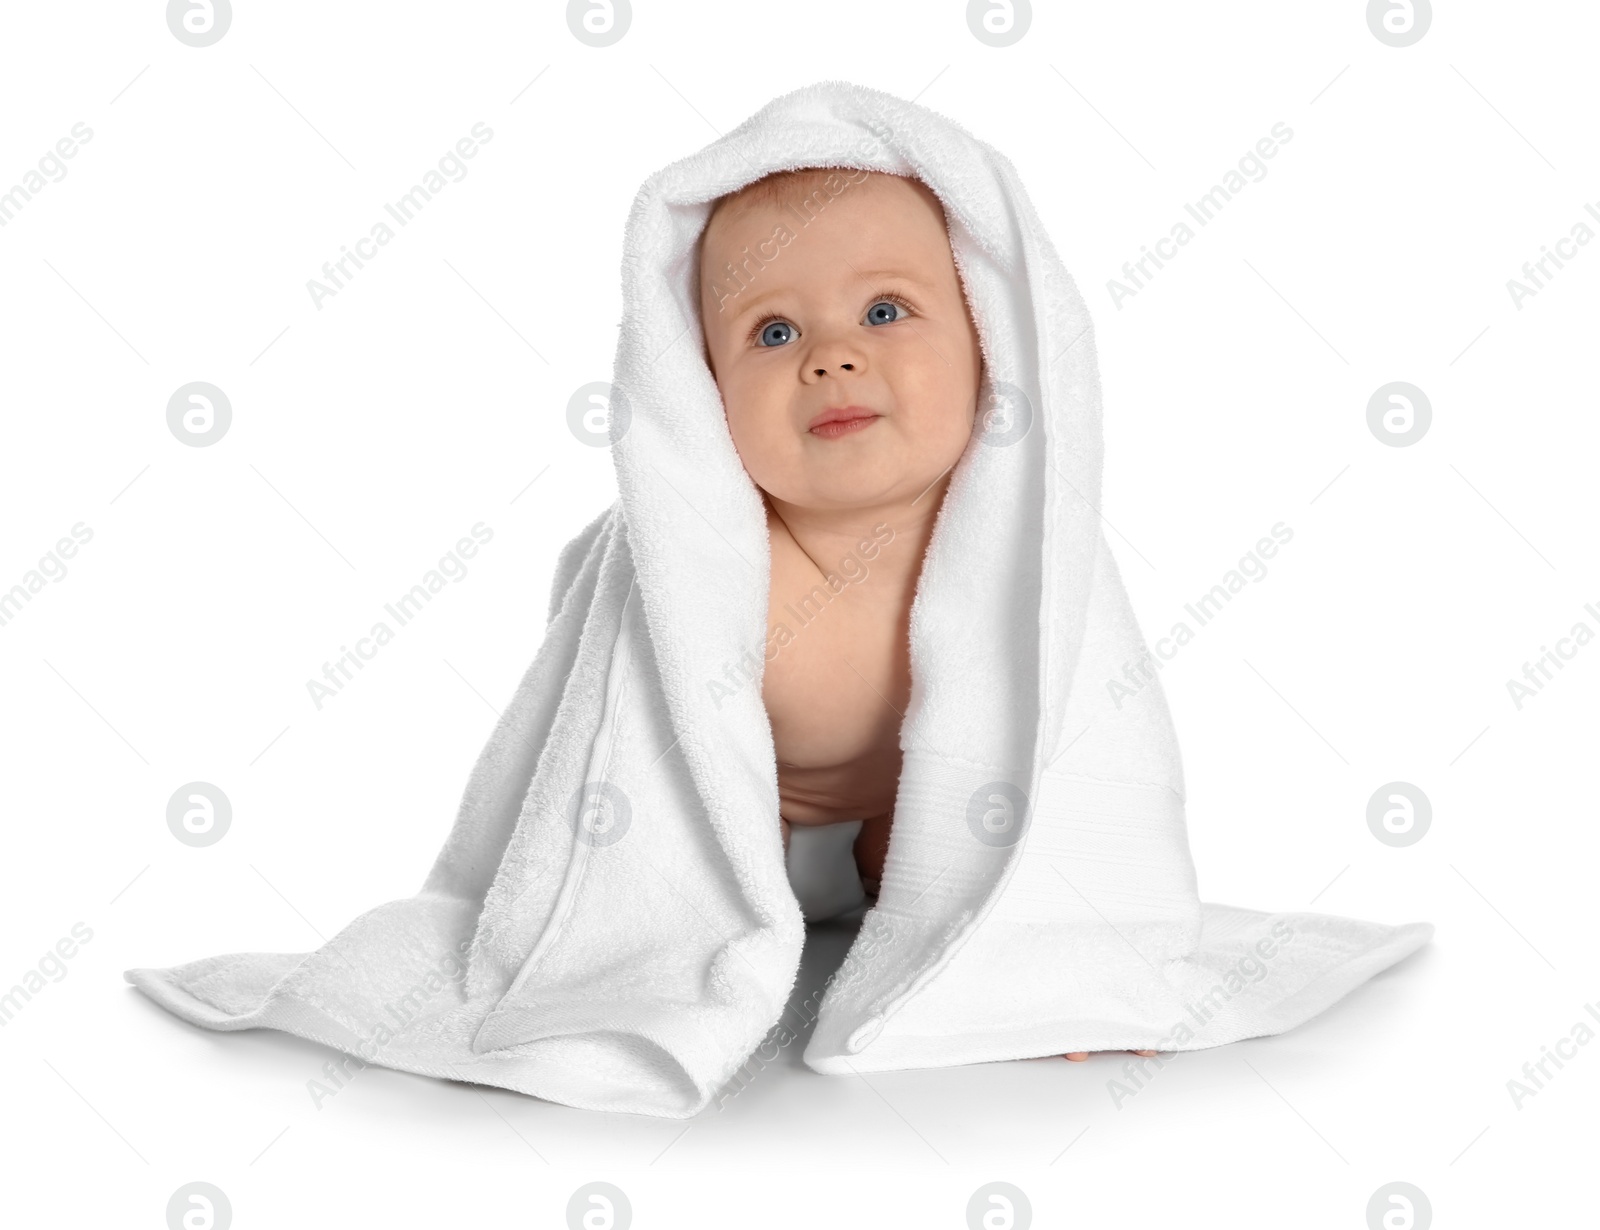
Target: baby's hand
{"points": [[1080, 1056]]}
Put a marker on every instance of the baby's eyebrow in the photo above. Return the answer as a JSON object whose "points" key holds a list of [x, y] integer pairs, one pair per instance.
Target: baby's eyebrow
{"points": [[754, 302], [889, 273]]}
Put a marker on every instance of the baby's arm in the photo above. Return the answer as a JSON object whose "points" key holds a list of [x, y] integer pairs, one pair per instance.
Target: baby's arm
{"points": [[871, 848]]}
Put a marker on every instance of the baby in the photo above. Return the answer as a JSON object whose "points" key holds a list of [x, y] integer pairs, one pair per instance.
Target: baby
{"points": [[849, 367]]}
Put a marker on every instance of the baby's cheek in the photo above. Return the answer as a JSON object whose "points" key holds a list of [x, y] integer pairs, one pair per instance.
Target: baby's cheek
{"points": [[768, 457]]}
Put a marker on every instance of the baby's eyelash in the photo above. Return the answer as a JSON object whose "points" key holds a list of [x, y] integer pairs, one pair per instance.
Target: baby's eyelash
{"points": [[762, 323], [878, 297], [893, 297]]}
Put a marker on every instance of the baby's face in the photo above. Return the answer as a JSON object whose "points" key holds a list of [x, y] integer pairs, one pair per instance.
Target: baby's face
{"points": [[861, 308]]}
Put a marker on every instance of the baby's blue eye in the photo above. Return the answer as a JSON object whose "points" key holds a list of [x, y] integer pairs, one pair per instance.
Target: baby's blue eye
{"points": [[876, 316], [777, 333]]}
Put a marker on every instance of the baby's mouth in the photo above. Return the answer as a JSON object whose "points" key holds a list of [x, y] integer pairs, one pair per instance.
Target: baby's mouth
{"points": [[839, 421]]}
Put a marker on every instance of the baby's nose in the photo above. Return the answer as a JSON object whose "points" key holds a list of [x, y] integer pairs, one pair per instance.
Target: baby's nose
{"points": [[844, 367]]}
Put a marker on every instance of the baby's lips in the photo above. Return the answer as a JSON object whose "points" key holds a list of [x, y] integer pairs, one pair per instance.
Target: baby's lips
{"points": [[837, 414]]}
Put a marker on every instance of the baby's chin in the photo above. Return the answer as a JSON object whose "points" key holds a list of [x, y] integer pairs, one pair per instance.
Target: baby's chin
{"points": [[835, 494]]}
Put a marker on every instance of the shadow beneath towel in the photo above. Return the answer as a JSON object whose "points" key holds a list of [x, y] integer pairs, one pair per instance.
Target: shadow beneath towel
{"points": [[827, 943]]}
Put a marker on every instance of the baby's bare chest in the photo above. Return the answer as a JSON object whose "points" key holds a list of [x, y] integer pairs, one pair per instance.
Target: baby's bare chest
{"points": [[837, 681]]}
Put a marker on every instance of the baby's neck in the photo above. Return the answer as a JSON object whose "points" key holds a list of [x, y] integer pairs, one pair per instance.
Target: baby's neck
{"points": [[897, 530]]}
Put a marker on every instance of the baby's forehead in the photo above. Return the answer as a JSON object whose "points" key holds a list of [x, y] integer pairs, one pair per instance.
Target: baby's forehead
{"points": [[802, 192], [782, 187], [778, 192]]}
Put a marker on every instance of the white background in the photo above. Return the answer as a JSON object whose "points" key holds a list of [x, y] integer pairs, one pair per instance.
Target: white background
{"points": [[369, 435]]}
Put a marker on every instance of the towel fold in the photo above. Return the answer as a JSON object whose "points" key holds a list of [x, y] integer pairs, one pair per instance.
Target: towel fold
{"points": [[611, 922]]}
